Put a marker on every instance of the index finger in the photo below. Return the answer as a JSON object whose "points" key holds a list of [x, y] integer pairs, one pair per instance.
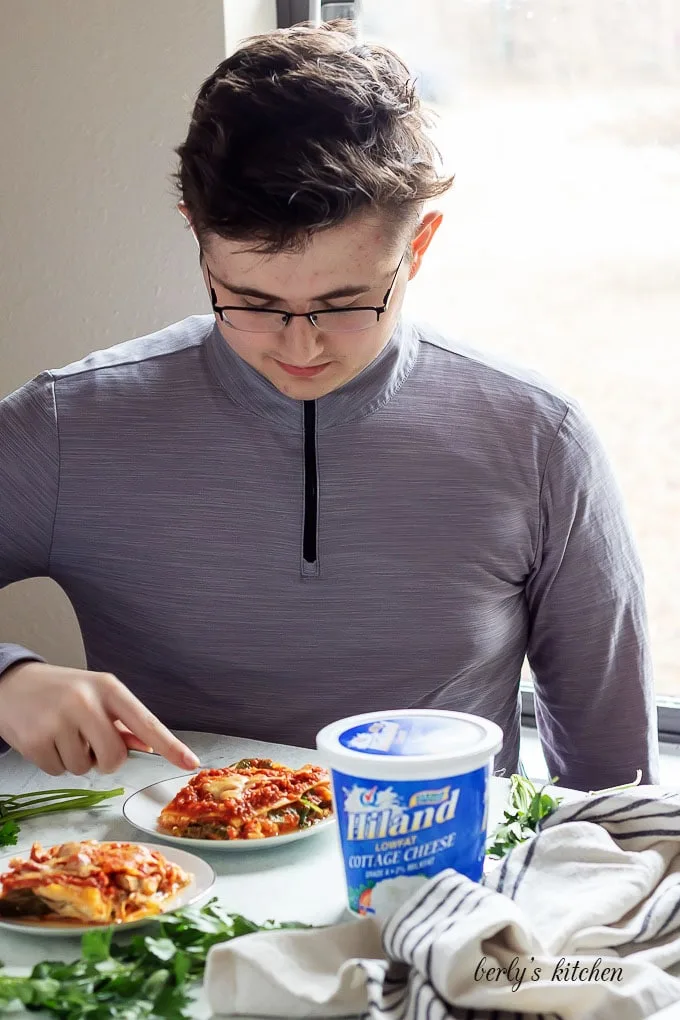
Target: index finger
{"points": [[123, 705]]}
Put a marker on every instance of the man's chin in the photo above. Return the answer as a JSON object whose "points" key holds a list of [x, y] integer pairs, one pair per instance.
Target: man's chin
{"points": [[306, 389]]}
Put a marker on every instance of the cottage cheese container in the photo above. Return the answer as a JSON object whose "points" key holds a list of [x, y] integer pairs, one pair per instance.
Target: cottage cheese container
{"points": [[411, 797]]}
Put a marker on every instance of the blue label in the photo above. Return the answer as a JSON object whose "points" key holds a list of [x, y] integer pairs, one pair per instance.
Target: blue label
{"points": [[415, 735], [395, 828]]}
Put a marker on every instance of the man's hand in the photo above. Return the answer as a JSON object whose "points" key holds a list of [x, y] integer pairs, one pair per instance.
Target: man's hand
{"points": [[70, 720]]}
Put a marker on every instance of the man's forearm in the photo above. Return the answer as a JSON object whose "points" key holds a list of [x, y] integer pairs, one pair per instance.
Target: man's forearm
{"points": [[597, 757]]}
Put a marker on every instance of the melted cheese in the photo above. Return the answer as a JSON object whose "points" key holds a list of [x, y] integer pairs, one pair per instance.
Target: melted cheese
{"points": [[227, 787], [75, 901]]}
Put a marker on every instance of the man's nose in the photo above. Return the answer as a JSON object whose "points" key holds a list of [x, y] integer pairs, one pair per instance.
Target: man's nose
{"points": [[301, 342]]}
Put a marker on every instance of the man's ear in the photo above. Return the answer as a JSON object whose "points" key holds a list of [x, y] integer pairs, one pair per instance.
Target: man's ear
{"points": [[182, 209], [425, 231]]}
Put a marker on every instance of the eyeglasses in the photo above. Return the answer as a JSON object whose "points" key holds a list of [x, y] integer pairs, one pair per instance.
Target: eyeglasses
{"points": [[327, 320]]}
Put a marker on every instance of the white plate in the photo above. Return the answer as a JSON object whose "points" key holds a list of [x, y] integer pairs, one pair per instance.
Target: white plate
{"points": [[201, 883], [142, 809]]}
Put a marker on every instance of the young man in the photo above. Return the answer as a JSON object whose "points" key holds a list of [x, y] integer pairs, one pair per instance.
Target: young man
{"points": [[303, 506]]}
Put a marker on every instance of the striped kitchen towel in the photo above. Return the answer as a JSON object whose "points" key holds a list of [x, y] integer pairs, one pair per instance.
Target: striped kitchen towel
{"points": [[583, 921]]}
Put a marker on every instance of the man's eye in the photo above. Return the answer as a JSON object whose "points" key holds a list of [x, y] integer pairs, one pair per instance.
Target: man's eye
{"points": [[340, 308]]}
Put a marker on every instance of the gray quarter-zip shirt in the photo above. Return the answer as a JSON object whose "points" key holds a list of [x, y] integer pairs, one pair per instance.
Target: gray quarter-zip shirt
{"points": [[255, 565]]}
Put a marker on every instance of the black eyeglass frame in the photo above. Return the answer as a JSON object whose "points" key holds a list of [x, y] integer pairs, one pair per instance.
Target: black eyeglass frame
{"points": [[311, 316]]}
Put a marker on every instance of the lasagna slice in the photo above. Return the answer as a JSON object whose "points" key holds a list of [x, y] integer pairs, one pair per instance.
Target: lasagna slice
{"points": [[96, 883], [253, 799]]}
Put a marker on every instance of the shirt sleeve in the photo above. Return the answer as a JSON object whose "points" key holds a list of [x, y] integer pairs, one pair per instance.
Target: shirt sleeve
{"points": [[588, 646], [29, 483]]}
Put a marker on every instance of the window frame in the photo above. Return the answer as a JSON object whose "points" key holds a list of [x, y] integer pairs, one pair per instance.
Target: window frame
{"points": [[292, 12]]}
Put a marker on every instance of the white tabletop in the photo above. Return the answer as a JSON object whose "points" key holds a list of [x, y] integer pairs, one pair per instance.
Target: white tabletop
{"points": [[302, 881]]}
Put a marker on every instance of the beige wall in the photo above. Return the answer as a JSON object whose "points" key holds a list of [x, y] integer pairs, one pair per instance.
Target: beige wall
{"points": [[247, 17], [95, 95]]}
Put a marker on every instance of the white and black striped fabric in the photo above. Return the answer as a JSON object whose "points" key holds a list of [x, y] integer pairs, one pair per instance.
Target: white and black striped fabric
{"points": [[585, 918]]}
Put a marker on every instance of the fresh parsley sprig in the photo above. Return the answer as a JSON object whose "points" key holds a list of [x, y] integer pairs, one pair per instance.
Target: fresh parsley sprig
{"points": [[9, 831], [148, 977], [528, 805]]}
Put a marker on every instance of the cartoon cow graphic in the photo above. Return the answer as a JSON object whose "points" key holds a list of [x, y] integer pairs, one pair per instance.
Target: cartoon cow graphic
{"points": [[362, 799]]}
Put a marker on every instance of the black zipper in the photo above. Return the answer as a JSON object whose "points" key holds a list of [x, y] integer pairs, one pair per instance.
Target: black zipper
{"points": [[311, 497]]}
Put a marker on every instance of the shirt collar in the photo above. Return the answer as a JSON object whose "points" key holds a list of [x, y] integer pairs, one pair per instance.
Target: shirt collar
{"points": [[360, 396]]}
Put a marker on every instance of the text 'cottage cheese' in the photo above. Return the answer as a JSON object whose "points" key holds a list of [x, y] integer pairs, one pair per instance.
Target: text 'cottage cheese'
{"points": [[411, 796]]}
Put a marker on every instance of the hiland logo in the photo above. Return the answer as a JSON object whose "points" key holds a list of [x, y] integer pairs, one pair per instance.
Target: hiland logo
{"points": [[374, 813]]}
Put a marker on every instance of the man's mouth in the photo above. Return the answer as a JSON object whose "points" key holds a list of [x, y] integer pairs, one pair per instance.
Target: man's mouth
{"points": [[303, 372]]}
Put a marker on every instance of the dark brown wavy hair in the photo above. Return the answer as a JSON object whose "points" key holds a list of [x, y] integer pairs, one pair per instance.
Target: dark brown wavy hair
{"points": [[300, 129]]}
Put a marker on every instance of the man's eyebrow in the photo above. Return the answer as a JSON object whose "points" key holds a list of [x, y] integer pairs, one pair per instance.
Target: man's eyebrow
{"points": [[348, 291]]}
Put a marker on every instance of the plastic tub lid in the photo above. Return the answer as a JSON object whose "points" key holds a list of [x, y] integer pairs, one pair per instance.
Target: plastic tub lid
{"points": [[409, 743]]}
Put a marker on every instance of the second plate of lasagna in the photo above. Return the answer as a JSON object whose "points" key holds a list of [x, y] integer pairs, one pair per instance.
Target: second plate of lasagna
{"points": [[72, 887], [253, 804]]}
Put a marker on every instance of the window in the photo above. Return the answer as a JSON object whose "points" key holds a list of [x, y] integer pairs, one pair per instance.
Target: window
{"points": [[561, 246]]}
